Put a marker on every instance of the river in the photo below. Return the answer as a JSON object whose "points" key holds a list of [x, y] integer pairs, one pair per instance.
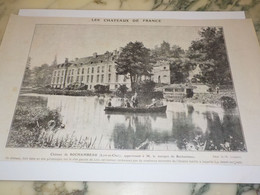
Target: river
{"points": [[183, 127]]}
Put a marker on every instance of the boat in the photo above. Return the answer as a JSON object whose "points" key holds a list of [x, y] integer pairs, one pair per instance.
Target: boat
{"points": [[159, 109]]}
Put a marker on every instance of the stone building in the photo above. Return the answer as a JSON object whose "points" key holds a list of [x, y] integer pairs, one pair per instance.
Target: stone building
{"points": [[100, 69], [89, 71], [161, 72]]}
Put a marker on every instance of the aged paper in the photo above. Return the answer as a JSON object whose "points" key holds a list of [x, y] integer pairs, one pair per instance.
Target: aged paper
{"points": [[132, 91]]}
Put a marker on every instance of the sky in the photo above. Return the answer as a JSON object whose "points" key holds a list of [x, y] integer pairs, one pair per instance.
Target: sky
{"points": [[76, 41]]}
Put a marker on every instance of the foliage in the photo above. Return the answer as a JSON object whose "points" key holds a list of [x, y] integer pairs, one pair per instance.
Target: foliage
{"points": [[31, 117], [167, 51], [101, 88], [228, 102], [211, 55], [180, 69], [42, 75], [53, 140], [175, 55], [134, 60], [28, 123], [70, 92], [77, 86], [121, 90], [146, 86]]}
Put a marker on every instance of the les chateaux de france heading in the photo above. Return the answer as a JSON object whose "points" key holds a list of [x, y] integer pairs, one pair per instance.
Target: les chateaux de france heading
{"points": [[118, 20]]}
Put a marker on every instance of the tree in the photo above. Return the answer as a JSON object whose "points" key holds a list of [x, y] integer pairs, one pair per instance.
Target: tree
{"points": [[177, 51], [42, 75], [134, 60], [121, 90], [166, 51], [211, 55], [147, 86]]}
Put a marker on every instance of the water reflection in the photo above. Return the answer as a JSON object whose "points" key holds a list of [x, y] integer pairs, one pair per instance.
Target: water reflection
{"points": [[182, 127]]}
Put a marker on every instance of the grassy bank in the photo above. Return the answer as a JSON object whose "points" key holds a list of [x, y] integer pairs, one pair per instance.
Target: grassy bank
{"points": [[29, 121]]}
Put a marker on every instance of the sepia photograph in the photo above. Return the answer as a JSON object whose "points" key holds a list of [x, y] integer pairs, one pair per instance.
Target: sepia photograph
{"points": [[120, 87]]}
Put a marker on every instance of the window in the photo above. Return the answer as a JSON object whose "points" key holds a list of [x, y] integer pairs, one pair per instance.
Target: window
{"points": [[77, 80], [62, 72], [164, 68], [102, 69], [53, 80], [81, 79], [98, 69], [116, 77], [164, 75], [72, 71], [69, 72], [87, 78], [54, 73], [82, 71], [78, 70], [88, 70], [68, 79], [102, 78], [168, 89], [58, 73], [90, 86], [58, 79], [109, 68], [61, 79], [97, 78], [71, 79], [91, 80], [92, 71], [179, 90], [109, 77], [124, 78]]}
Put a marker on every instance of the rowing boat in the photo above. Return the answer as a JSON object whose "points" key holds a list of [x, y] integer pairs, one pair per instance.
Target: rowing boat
{"points": [[159, 109]]}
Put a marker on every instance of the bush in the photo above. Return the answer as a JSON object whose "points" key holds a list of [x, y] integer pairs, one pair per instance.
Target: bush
{"points": [[146, 86], [228, 102], [121, 90], [101, 88], [28, 123]]}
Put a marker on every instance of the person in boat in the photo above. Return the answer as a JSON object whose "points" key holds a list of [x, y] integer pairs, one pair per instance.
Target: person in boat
{"points": [[109, 103], [159, 102], [153, 104], [122, 103], [127, 104], [134, 100]]}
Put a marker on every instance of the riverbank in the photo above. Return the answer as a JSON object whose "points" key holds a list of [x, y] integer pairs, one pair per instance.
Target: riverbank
{"points": [[50, 91], [144, 98], [211, 98]]}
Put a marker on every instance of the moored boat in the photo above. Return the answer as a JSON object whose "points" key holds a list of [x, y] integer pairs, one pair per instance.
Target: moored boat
{"points": [[159, 109]]}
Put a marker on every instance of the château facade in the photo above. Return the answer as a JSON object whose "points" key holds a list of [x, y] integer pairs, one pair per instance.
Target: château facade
{"points": [[100, 70]]}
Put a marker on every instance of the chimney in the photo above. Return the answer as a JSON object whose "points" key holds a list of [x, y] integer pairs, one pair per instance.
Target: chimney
{"points": [[66, 60], [95, 54]]}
